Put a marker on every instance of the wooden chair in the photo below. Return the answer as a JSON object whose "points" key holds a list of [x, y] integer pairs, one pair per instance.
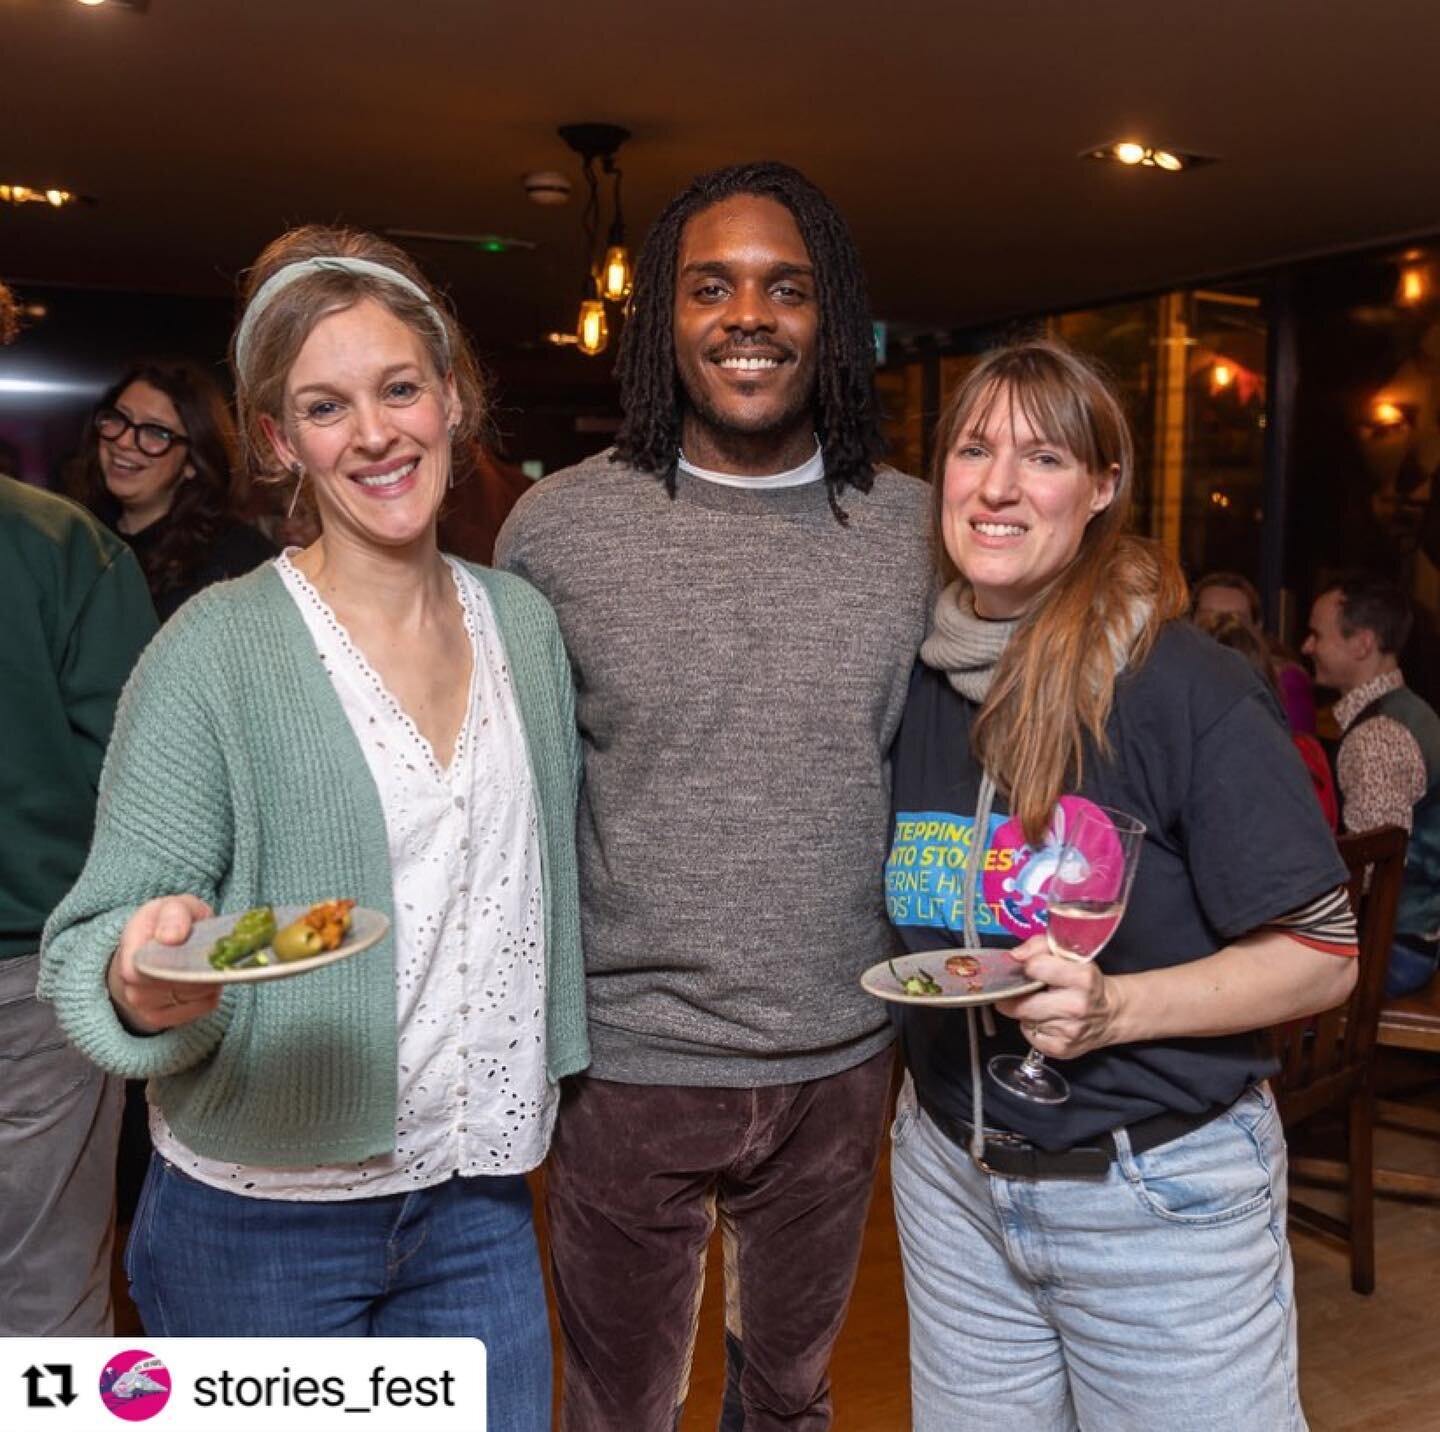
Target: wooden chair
{"points": [[1412, 1022], [1326, 1063]]}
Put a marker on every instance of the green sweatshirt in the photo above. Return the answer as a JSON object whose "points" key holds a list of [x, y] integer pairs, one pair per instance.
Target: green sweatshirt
{"points": [[75, 614], [234, 775]]}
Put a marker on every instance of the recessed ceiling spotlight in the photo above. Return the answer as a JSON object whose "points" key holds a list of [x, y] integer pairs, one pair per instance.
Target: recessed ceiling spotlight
{"points": [[1134, 155], [29, 194]]}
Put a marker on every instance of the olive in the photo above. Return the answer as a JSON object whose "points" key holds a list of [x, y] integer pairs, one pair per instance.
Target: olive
{"points": [[297, 942]]}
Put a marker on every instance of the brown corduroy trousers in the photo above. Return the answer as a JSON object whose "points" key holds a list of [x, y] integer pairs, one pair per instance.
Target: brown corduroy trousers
{"points": [[637, 1178]]}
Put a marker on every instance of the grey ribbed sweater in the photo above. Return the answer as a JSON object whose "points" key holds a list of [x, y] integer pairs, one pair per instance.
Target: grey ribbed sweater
{"points": [[741, 660]]}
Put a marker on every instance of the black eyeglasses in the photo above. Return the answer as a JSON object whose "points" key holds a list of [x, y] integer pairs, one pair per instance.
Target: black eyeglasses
{"points": [[153, 439]]}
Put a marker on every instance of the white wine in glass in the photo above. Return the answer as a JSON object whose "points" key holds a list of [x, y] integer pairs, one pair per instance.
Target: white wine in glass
{"points": [[1085, 902]]}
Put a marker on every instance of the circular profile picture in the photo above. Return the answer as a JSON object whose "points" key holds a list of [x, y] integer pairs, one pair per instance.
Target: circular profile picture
{"points": [[134, 1385]]}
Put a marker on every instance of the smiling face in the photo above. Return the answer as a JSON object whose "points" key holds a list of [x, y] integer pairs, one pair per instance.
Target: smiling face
{"points": [[144, 486], [746, 333], [1340, 659], [368, 418], [1014, 506]]}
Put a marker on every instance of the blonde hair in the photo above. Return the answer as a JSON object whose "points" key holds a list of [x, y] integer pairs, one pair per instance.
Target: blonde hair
{"points": [[1102, 613], [275, 335]]}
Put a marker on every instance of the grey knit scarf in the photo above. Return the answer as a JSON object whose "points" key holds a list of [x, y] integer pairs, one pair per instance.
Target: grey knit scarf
{"points": [[964, 646]]}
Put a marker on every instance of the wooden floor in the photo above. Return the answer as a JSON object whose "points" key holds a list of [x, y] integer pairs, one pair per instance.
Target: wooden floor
{"points": [[1366, 1364]]}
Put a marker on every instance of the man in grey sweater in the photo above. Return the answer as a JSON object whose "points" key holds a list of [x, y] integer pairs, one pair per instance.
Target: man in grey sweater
{"points": [[742, 590]]}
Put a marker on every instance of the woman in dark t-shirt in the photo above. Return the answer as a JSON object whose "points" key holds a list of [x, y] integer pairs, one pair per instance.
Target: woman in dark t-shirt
{"points": [[158, 464], [1116, 1261]]}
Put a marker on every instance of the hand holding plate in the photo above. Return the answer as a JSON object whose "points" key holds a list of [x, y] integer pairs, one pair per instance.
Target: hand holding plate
{"points": [[149, 1005]]}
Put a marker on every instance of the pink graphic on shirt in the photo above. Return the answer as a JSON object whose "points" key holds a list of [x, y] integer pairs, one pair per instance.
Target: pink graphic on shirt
{"points": [[135, 1385], [1015, 888]]}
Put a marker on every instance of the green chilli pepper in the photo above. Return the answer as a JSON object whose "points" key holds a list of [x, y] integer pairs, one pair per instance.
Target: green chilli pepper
{"points": [[919, 983], [253, 931]]}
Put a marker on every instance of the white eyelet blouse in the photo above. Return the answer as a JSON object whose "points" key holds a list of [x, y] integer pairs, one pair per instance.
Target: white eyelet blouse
{"points": [[469, 931]]}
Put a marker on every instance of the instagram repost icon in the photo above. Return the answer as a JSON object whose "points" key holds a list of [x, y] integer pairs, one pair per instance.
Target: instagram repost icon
{"points": [[135, 1385]]}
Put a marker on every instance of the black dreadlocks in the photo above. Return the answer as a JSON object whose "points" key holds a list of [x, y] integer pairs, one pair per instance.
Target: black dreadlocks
{"points": [[846, 419]]}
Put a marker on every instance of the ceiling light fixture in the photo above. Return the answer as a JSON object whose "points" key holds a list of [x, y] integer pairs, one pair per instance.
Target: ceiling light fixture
{"points": [[30, 194], [592, 332], [610, 280], [1416, 285], [117, 4], [546, 186], [1386, 416], [1135, 155]]}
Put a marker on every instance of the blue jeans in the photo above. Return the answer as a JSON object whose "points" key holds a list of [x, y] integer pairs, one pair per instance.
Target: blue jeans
{"points": [[1411, 967], [454, 1260], [1159, 1296]]}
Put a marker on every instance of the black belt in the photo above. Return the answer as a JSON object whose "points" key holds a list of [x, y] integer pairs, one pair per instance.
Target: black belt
{"points": [[1013, 1157]]}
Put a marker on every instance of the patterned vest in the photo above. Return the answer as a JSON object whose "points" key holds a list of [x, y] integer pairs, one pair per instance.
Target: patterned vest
{"points": [[1419, 912]]}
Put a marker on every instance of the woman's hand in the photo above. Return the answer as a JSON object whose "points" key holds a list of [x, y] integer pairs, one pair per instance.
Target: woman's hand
{"points": [[1075, 1014], [149, 1005]]}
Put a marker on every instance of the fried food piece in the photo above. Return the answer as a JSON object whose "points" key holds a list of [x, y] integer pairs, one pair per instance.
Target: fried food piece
{"points": [[322, 927], [965, 966]]}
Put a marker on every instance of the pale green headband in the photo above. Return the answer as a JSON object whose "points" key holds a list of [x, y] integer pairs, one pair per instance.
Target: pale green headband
{"points": [[281, 279]]}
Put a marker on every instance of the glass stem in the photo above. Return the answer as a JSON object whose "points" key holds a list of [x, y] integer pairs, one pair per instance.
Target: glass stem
{"points": [[1032, 1066]]}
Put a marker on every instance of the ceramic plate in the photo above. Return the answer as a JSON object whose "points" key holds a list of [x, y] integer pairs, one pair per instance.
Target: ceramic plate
{"points": [[986, 975], [190, 963]]}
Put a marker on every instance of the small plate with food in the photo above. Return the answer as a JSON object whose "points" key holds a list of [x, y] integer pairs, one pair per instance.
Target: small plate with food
{"points": [[949, 978], [266, 943]]}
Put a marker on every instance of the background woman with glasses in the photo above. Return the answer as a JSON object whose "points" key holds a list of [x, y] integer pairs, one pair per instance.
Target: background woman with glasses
{"points": [[158, 464]]}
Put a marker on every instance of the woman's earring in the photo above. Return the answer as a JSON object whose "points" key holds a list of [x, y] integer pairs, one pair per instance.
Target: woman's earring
{"points": [[299, 472]]}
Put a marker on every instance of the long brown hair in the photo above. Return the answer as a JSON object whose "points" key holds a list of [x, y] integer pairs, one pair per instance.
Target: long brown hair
{"points": [[281, 329], [1102, 613], [202, 504]]}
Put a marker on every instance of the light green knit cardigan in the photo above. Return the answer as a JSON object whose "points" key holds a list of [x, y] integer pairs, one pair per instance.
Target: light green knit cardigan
{"points": [[233, 775]]}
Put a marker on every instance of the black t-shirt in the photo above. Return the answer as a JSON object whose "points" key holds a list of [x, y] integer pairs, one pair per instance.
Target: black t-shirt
{"points": [[1234, 838], [237, 549]]}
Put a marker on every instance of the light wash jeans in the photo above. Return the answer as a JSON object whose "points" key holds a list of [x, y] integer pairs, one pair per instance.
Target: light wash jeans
{"points": [[1158, 1297], [457, 1259]]}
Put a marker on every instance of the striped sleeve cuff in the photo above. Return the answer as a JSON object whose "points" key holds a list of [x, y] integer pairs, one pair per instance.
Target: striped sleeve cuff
{"points": [[1325, 923]]}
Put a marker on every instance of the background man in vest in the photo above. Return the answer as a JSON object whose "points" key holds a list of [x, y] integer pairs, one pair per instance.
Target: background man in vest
{"points": [[1388, 767]]}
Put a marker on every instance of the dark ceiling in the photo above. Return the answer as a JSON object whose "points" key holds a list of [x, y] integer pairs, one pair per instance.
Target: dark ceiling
{"points": [[948, 133]]}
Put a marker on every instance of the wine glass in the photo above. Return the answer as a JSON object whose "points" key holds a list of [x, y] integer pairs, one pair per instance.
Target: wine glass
{"points": [[1085, 900]]}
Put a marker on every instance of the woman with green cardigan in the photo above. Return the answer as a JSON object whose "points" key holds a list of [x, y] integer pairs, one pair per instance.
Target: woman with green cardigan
{"points": [[343, 1153]]}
